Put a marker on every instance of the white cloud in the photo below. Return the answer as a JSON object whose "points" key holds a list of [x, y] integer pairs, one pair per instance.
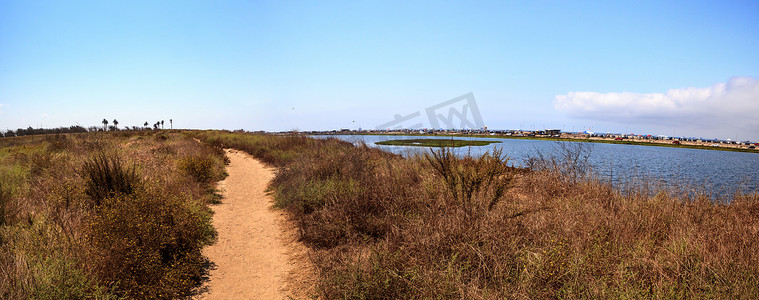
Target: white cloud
{"points": [[722, 110]]}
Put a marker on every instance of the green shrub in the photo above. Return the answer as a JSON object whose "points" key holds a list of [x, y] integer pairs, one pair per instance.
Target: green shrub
{"points": [[106, 176], [59, 278], [148, 243], [201, 168], [40, 261]]}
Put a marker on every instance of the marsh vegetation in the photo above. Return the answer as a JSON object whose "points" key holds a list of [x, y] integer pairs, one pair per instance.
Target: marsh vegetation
{"points": [[453, 143], [105, 215], [124, 214], [442, 226]]}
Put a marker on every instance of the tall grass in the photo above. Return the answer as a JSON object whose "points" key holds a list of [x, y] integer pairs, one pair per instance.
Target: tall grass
{"points": [[441, 226], [106, 176], [79, 221], [277, 151], [5, 204], [466, 177]]}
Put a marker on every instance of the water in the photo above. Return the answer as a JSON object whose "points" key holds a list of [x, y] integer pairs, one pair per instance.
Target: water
{"points": [[717, 171]]}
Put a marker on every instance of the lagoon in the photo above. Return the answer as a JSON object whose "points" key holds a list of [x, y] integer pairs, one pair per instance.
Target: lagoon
{"points": [[720, 172]]}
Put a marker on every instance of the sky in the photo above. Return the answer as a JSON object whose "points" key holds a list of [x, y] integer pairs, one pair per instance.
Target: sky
{"points": [[676, 68]]}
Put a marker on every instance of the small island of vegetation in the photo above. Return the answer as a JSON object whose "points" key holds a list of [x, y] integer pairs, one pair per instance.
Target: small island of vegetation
{"points": [[435, 143]]}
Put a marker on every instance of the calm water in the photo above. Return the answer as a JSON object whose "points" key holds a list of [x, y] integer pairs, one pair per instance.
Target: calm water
{"points": [[719, 171]]}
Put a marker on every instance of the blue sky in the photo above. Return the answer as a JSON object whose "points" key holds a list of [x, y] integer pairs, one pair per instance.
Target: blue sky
{"points": [[659, 67]]}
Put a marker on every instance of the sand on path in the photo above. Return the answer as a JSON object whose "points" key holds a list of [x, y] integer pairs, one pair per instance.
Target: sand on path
{"points": [[256, 255]]}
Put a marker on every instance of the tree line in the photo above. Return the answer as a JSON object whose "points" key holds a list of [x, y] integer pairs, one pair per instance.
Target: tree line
{"points": [[107, 126]]}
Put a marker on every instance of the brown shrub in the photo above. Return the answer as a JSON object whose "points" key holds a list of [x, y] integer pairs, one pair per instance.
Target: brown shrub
{"points": [[101, 230], [58, 142], [471, 178], [106, 176], [332, 194], [384, 227]]}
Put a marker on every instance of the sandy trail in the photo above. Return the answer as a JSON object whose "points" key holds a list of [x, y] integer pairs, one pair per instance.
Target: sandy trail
{"points": [[256, 254]]}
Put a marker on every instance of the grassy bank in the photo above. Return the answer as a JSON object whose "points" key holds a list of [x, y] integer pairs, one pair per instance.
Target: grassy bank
{"points": [[437, 226], [454, 143], [105, 215]]}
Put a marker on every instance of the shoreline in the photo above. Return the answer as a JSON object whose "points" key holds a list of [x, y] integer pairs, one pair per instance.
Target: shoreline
{"points": [[683, 144]]}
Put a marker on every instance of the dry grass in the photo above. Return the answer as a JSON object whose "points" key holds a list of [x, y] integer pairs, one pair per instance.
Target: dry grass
{"points": [[107, 177], [440, 226], [6, 204], [103, 215]]}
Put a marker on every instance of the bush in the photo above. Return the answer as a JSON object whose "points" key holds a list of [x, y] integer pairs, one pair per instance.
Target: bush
{"points": [[570, 163], [102, 232], [58, 142], [469, 178], [384, 227], [59, 278], [106, 177], [40, 162], [148, 243], [335, 195], [40, 261], [200, 168]]}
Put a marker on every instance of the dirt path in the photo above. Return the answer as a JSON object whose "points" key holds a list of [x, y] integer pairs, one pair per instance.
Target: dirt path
{"points": [[256, 254]]}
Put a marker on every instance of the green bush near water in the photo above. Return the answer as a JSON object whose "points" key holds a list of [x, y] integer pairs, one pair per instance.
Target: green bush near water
{"points": [[436, 143]]}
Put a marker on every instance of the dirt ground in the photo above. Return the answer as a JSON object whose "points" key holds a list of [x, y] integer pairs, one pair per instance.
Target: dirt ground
{"points": [[256, 255]]}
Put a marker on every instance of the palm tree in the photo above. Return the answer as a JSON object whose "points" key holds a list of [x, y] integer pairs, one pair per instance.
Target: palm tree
{"points": [[116, 124], [171, 123], [161, 124], [146, 124], [105, 124]]}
